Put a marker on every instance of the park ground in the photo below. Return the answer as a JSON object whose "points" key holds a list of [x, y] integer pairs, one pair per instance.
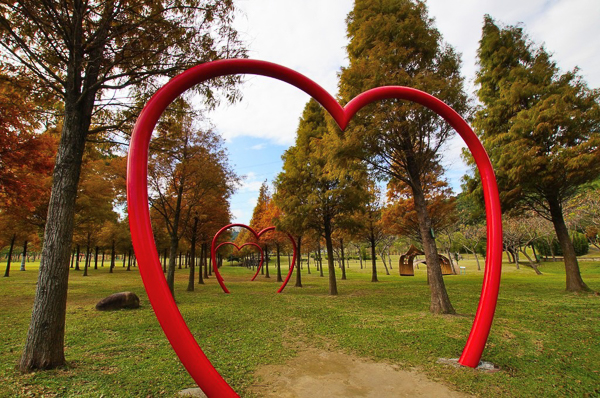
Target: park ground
{"points": [[544, 340]]}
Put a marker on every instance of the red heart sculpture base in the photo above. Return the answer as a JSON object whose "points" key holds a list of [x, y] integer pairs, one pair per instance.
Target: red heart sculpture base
{"points": [[167, 313]]}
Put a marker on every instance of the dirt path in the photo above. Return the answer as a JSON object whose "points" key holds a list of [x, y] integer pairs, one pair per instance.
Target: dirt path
{"points": [[315, 373]]}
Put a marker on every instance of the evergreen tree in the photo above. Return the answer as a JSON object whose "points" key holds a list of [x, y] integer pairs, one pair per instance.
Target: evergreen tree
{"points": [[310, 194], [394, 42], [541, 129]]}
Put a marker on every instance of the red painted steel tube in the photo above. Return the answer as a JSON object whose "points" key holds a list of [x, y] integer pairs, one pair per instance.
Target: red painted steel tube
{"points": [[260, 250], [291, 269], [257, 235], [167, 313]]}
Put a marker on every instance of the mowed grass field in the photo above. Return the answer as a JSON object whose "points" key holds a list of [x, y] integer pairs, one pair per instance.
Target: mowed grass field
{"points": [[545, 341]]}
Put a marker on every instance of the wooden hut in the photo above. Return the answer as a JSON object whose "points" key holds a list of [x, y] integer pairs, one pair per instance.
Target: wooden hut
{"points": [[406, 265]]}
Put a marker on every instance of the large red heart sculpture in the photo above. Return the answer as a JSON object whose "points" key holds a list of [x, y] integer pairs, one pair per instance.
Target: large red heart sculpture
{"points": [[167, 313], [257, 235], [260, 250]]}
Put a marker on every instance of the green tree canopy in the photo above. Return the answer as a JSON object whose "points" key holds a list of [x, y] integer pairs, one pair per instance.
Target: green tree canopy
{"points": [[396, 43], [309, 192], [541, 129]]}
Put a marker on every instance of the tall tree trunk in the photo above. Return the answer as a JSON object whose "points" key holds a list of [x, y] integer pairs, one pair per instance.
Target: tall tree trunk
{"points": [[207, 262], [298, 261], [172, 264], [574, 281], [102, 263], [76, 259], [279, 278], [440, 302], [308, 263], [24, 256], [317, 267], [330, 264], [179, 260], [343, 262], [202, 262], [129, 259], [165, 261], [360, 257], [192, 263], [87, 254], [72, 259], [477, 259], [9, 259], [266, 262], [44, 345], [373, 258], [96, 259], [320, 258], [112, 257]]}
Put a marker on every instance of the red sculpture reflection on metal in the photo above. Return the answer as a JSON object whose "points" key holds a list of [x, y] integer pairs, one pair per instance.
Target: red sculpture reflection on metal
{"points": [[260, 250], [165, 308], [256, 235]]}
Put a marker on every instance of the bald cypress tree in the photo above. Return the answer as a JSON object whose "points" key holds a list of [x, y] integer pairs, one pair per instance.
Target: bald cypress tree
{"points": [[86, 54], [309, 193], [540, 127], [394, 42]]}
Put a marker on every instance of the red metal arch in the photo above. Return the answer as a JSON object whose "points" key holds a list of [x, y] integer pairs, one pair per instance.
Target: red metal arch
{"points": [[257, 235], [260, 250], [167, 313]]}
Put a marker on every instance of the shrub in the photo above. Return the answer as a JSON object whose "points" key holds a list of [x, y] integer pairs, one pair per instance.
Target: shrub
{"points": [[579, 240]]}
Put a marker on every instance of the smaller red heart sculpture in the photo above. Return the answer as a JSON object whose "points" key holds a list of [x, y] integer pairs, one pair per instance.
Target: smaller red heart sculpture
{"points": [[260, 250], [257, 235]]}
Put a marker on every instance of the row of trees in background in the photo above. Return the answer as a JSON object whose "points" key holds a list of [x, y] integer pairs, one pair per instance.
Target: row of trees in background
{"points": [[377, 230], [190, 182]]}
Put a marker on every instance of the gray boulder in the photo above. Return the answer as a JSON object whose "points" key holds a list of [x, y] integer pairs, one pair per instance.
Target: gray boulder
{"points": [[192, 392], [118, 300]]}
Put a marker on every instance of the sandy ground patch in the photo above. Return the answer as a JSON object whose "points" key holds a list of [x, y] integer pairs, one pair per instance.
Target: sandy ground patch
{"points": [[316, 373]]}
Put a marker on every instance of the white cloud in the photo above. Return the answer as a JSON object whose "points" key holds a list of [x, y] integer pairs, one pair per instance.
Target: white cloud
{"points": [[307, 36], [258, 147], [250, 183], [237, 214]]}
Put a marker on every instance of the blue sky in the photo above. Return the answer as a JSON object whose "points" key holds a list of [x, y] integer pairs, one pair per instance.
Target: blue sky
{"points": [[310, 37]]}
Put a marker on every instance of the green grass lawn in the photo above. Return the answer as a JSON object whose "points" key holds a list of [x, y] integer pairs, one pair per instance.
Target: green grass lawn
{"points": [[546, 341]]}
